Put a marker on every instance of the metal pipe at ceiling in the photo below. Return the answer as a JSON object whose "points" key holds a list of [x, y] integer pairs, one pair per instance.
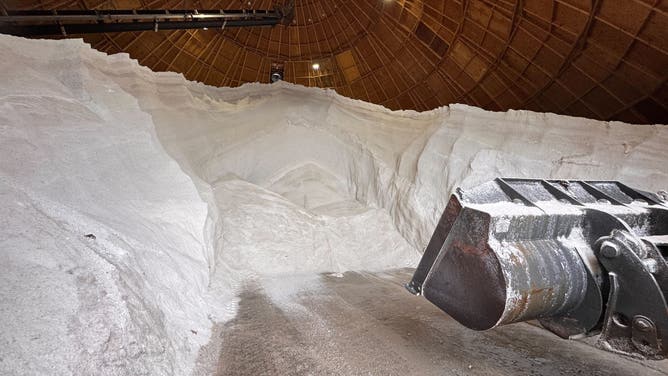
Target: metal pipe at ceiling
{"points": [[42, 23], [55, 29], [132, 15]]}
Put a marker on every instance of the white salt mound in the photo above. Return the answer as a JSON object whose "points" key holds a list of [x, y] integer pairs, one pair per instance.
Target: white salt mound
{"points": [[135, 204]]}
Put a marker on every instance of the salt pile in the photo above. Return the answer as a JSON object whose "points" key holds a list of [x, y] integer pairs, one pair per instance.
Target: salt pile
{"points": [[135, 204]]}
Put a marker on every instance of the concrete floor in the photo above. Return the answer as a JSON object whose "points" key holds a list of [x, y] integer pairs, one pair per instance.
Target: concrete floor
{"points": [[367, 324]]}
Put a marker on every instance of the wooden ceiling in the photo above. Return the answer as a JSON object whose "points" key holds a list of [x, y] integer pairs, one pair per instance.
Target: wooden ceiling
{"points": [[602, 59]]}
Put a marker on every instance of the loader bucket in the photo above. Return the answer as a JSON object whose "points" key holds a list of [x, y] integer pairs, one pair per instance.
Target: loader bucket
{"points": [[513, 250]]}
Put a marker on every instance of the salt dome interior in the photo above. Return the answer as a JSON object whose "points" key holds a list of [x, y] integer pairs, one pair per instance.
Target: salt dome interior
{"points": [[138, 206]]}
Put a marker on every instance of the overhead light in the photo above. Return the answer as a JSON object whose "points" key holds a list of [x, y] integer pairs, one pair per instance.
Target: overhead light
{"points": [[205, 28], [315, 66], [275, 77], [277, 69]]}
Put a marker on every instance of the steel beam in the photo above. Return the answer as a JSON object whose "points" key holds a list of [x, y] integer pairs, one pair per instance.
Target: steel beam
{"points": [[39, 23]]}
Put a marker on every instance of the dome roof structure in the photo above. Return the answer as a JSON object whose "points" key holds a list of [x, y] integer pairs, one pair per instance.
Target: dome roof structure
{"points": [[602, 59]]}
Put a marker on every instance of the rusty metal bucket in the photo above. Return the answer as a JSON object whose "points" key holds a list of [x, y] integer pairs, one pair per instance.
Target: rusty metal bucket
{"points": [[513, 250]]}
